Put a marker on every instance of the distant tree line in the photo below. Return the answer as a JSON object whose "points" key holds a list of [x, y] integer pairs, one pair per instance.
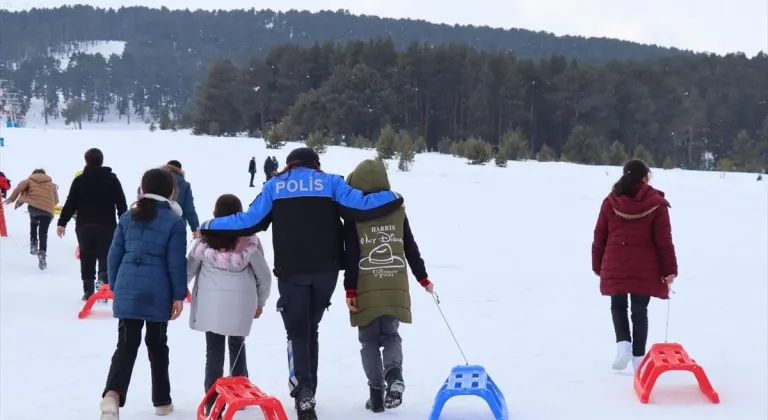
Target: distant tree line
{"points": [[272, 73], [194, 38], [702, 112]]}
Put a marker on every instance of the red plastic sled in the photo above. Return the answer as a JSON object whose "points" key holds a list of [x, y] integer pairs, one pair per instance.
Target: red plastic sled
{"points": [[238, 392], [665, 357]]}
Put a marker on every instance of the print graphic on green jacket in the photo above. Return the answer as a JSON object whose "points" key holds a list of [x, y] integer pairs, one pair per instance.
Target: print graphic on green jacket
{"points": [[382, 272], [382, 279]]}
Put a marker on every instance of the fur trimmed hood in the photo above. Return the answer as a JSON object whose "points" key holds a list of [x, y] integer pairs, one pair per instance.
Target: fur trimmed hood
{"points": [[174, 170], [231, 260]]}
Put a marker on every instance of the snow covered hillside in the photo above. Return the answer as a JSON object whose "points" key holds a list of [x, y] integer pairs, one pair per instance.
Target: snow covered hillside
{"points": [[36, 119], [508, 250]]}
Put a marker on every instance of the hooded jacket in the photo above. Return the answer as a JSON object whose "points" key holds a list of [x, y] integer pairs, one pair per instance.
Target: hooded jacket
{"points": [[230, 286], [38, 192], [376, 254], [632, 250], [147, 264], [184, 198]]}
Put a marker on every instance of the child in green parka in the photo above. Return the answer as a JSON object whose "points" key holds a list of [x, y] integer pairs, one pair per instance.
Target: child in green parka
{"points": [[376, 282]]}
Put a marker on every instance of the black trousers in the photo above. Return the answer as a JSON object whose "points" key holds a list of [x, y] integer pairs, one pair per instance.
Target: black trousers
{"points": [[38, 230], [639, 333], [94, 243], [128, 342], [302, 303], [214, 359], [253, 174]]}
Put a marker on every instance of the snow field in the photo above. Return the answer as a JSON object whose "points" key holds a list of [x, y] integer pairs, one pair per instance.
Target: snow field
{"points": [[507, 248]]}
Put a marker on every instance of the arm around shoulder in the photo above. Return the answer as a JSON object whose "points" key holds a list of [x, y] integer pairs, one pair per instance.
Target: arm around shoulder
{"points": [[355, 205], [256, 219]]}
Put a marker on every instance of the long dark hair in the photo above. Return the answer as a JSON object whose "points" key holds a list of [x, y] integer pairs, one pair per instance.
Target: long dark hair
{"points": [[226, 205], [154, 181], [633, 175]]}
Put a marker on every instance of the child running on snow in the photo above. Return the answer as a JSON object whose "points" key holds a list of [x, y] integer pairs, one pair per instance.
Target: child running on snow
{"points": [[376, 282], [232, 287], [147, 274], [40, 195]]}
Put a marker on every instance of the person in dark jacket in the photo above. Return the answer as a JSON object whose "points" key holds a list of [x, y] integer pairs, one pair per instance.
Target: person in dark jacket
{"points": [[184, 197], [376, 282], [634, 257], [97, 196], [305, 204], [252, 170], [269, 168], [148, 276]]}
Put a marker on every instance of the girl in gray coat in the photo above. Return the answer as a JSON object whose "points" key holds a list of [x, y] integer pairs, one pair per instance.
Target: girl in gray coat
{"points": [[232, 287]]}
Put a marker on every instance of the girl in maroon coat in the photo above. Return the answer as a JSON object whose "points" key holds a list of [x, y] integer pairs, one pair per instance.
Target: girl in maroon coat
{"points": [[634, 257]]}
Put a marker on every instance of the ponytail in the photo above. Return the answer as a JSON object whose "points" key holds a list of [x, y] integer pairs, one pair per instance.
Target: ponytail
{"points": [[634, 174], [144, 210], [626, 185]]}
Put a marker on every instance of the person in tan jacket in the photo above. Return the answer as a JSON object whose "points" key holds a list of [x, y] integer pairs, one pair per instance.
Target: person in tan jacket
{"points": [[40, 195]]}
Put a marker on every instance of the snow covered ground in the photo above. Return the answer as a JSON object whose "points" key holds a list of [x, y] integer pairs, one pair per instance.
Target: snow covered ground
{"points": [[36, 119], [508, 249]]}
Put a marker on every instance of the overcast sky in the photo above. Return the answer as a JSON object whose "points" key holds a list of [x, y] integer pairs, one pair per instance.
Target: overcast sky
{"points": [[718, 26]]}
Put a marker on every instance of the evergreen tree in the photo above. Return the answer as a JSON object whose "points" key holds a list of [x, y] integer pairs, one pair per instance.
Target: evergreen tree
{"points": [[218, 101], [386, 145], [406, 150], [318, 142]]}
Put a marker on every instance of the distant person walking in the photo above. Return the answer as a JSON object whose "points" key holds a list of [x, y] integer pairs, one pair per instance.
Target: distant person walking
{"points": [[98, 199], [269, 168], [184, 197], [148, 276], [40, 195], [252, 170], [634, 257]]}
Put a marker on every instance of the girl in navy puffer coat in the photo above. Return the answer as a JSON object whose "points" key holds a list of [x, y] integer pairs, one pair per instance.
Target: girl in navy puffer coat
{"points": [[147, 268]]}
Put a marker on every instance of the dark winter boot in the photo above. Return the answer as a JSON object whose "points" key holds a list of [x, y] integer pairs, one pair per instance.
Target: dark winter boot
{"points": [[305, 405], [32, 247], [86, 296], [375, 402], [395, 388], [41, 260]]}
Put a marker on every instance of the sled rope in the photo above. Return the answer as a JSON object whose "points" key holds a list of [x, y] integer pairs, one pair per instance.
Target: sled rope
{"points": [[669, 304], [436, 298]]}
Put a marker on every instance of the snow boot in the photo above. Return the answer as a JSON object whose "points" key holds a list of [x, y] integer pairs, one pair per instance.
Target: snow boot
{"points": [[305, 405], [41, 260], [110, 407], [376, 401], [623, 355], [86, 296], [163, 410], [395, 388], [32, 247]]}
